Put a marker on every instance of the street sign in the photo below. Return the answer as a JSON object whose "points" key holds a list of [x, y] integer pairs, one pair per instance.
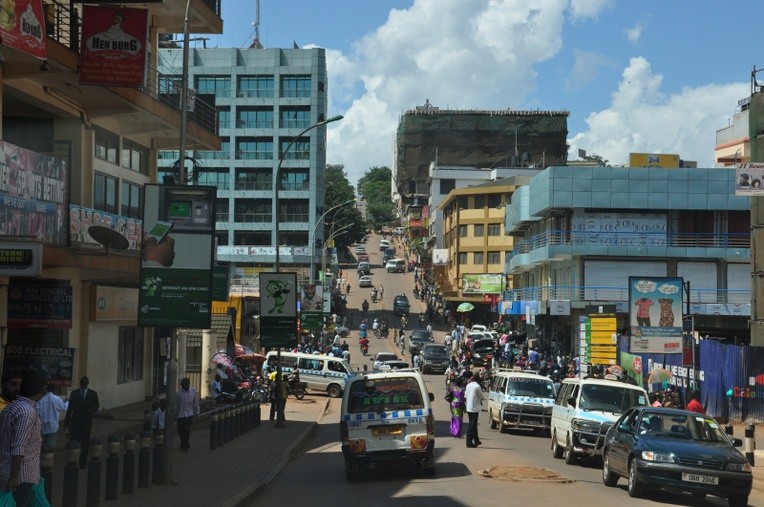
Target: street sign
{"points": [[278, 309]]}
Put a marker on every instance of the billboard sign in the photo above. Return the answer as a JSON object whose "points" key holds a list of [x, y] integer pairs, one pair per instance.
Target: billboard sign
{"points": [[278, 309], [39, 306], [655, 315], [482, 283], [55, 363], [749, 179], [176, 282], [653, 160], [22, 27]]}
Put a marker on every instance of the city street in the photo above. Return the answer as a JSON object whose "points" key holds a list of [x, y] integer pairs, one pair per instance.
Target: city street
{"points": [[317, 475]]}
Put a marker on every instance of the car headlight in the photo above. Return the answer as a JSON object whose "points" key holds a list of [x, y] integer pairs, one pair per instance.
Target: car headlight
{"points": [[658, 457], [585, 425], [739, 467]]}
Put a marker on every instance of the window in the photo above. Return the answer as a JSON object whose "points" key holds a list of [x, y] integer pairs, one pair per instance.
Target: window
{"points": [[494, 201], [462, 258], [135, 157], [294, 117], [219, 86], [293, 238], [300, 150], [256, 86], [106, 145], [222, 215], [252, 210], [447, 185], [130, 200], [494, 229], [295, 86], [247, 179], [294, 179], [214, 177], [223, 154], [130, 355], [477, 258], [462, 231], [224, 117], [105, 193], [463, 202], [258, 118], [254, 149], [479, 201], [494, 257], [479, 229], [293, 210], [169, 85], [222, 237]]}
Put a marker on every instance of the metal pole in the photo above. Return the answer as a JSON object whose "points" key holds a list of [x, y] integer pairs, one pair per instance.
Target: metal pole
{"points": [[277, 267], [312, 245]]}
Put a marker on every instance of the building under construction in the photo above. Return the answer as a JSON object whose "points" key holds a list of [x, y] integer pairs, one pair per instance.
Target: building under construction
{"points": [[474, 138]]}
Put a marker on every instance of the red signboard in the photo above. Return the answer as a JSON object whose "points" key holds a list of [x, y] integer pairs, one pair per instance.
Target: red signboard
{"points": [[22, 26], [113, 51], [415, 222]]}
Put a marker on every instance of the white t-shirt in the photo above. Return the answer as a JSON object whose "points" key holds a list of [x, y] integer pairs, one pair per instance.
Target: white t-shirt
{"points": [[473, 396]]}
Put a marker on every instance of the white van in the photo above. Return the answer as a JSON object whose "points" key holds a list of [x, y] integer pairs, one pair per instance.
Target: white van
{"points": [[520, 399], [395, 266], [322, 373], [584, 411], [399, 231], [386, 419]]}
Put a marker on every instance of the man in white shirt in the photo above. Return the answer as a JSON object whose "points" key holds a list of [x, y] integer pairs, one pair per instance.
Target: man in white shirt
{"points": [[186, 408], [50, 407], [473, 395]]}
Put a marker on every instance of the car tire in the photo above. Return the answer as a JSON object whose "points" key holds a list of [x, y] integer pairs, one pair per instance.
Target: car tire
{"points": [[737, 501], [609, 478], [570, 456], [557, 451], [334, 391], [634, 488]]}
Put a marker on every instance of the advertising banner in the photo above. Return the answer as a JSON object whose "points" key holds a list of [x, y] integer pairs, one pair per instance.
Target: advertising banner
{"points": [[312, 320], [22, 26], [632, 365], [113, 51], [653, 160], [655, 315], [55, 363], [39, 306], [20, 259], [749, 179], [603, 338], [34, 195], [278, 309], [482, 283], [81, 219], [311, 298], [177, 256]]}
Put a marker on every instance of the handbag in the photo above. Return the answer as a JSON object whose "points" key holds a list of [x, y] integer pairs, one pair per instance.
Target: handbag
{"points": [[449, 396]]}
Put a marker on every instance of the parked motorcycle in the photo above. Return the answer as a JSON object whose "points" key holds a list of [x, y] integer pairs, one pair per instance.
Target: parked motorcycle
{"points": [[295, 387]]}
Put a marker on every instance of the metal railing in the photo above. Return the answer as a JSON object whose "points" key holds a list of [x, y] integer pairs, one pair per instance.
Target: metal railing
{"points": [[253, 217], [253, 185], [614, 293], [254, 155], [631, 239]]}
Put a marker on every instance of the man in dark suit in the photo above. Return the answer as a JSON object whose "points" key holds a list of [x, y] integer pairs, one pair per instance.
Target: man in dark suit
{"points": [[79, 417]]}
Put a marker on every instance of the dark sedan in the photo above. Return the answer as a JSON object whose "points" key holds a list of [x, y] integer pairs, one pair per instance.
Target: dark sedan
{"points": [[482, 352], [675, 450]]}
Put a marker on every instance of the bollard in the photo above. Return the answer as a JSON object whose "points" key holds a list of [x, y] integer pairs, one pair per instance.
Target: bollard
{"points": [[749, 444], [219, 436], [71, 474], [156, 469], [46, 469], [214, 430], [729, 429], [226, 425], [128, 467], [144, 460], [112, 467], [93, 493], [258, 413], [237, 421], [248, 416], [147, 419]]}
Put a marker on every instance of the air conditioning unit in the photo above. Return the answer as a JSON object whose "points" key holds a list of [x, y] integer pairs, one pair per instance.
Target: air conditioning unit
{"points": [[242, 95]]}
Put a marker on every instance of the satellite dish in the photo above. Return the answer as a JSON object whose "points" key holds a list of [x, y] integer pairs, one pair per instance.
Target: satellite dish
{"points": [[109, 238]]}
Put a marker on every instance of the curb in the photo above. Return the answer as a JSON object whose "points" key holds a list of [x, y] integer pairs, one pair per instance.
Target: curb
{"points": [[246, 496]]}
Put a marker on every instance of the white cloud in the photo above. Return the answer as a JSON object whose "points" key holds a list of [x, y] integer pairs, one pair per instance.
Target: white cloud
{"points": [[586, 68], [634, 33], [642, 119], [582, 9], [458, 53]]}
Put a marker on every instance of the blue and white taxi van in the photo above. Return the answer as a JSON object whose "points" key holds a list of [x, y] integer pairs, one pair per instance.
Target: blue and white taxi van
{"points": [[520, 399], [322, 373]]}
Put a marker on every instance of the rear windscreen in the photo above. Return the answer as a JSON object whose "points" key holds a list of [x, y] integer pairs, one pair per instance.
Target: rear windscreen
{"points": [[384, 395]]}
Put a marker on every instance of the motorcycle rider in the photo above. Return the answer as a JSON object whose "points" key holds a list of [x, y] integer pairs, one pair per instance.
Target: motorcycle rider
{"points": [[375, 327], [374, 294], [365, 305], [364, 342]]}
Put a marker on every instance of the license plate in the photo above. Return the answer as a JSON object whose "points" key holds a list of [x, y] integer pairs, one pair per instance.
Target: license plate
{"points": [[702, 479], [388, 430]]}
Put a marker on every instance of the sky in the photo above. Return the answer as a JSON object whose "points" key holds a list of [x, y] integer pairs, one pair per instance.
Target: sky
{"points": [[647, 76]]}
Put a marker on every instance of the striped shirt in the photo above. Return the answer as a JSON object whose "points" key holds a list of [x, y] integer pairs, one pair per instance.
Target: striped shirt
{"points": [[20, 436]]}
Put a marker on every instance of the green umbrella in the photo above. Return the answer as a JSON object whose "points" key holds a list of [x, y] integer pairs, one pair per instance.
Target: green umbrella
{"points": [[659, 375], [465, 307]]}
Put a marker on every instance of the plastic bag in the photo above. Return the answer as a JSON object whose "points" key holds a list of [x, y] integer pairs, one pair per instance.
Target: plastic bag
{"points": [[6, 499], [38, 495]]}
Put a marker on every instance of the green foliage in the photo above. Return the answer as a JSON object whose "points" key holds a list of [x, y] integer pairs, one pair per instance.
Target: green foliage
{"points": [[338, 191], [375, 188]]}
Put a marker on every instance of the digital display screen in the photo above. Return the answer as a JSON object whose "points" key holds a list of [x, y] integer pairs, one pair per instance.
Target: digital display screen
{"points": [[179, 209]]}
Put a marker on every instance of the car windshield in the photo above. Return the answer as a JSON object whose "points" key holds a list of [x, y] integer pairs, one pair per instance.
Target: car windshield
{"points": [[386, 356], [610, 398], [435, 350], [696, 427], [383, 395], [483, 346], [539, 388], [420, 336]]}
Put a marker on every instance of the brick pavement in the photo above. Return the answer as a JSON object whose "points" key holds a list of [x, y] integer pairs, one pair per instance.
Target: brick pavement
{"points": [[231, 475]]}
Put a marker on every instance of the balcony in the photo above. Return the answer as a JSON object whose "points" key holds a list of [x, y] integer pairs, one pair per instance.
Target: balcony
{"points": [[249, 218], [590, 293], [254, 185]]}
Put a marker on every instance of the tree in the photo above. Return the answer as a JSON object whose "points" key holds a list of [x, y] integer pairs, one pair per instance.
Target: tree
{"points": [[375, 187], [338, 191]]}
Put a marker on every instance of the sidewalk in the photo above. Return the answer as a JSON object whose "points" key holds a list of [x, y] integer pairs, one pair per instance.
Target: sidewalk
{"points": [[231, 475]]}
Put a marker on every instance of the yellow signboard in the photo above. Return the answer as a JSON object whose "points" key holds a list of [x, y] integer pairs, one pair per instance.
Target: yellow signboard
{"points": [[653, 160]]}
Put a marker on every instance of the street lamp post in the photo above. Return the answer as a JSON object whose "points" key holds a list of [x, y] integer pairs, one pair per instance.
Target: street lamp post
{"points": [[277, 267], [312, 244]]}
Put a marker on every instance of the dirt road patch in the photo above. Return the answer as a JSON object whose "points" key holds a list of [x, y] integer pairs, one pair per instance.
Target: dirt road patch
{"points": [[523, 474]]}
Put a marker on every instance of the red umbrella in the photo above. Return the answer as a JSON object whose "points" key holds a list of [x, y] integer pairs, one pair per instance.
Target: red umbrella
{"points": [[253, 358]]}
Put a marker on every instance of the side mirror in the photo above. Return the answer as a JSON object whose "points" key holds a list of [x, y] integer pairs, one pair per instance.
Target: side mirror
{"points": [[572, 401], [624, 428], [736, 442]]}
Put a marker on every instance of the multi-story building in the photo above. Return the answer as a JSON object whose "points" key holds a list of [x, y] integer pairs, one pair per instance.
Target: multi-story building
{"points": [[77, 149], [265, 99], [472, 138], [474, 239], [733, 142], [580, 232]]}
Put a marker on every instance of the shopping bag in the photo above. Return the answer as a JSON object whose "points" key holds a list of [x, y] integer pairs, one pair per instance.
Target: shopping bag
{"points": [[38, 495], [6, 499]]}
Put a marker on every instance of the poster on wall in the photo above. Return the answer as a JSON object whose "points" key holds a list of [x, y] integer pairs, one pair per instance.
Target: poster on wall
{"points": [[22, 27], [655, 315], [482, 283], [39, 306], [55, 363]]}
